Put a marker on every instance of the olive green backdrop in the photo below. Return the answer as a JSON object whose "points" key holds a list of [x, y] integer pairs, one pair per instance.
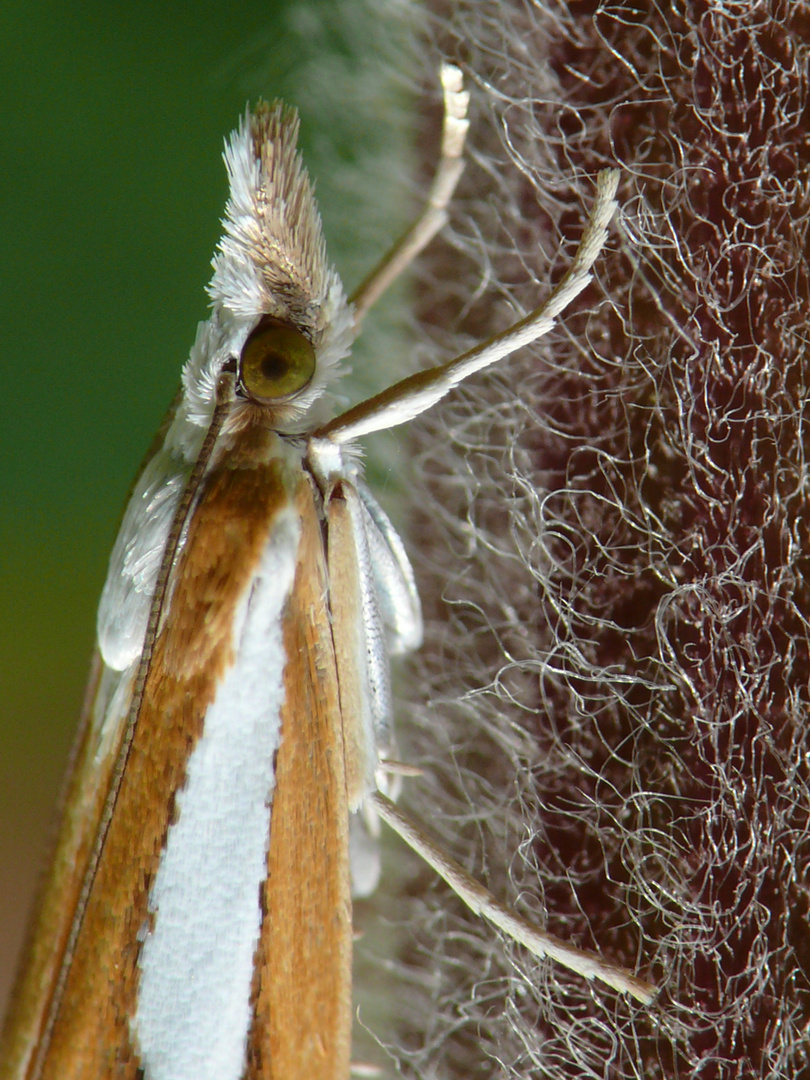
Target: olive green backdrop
{"points": [[111, 188]]}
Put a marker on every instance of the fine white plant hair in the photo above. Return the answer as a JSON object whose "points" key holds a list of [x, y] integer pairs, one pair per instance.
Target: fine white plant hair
{"points": [[612, 534]]}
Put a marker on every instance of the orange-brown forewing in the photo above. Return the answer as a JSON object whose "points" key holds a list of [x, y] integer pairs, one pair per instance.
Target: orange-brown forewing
{"points": [[302, 980], [302, 1022]]}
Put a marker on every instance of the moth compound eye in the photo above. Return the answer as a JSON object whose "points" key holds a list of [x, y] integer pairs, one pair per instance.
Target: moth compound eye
{"points": [[277, 361]]}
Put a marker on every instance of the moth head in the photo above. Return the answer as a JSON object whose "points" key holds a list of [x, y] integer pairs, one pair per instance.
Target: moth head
{"points": [[281, 306]]}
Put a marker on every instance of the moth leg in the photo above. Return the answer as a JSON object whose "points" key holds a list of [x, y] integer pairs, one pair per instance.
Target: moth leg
{"points": [[482, 902], [434, 215], [357, 630], [416, 393], [372, 598], [398, 599]]}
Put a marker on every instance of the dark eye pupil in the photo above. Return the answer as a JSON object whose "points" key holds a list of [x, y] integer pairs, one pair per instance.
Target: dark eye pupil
{"points": [[275, 365], [277, 361]]}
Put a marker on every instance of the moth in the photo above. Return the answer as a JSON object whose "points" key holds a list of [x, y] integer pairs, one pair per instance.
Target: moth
{"points": [[236, 743]]}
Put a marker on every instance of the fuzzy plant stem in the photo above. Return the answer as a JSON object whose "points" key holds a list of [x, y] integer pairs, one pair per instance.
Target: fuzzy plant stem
{"points": [[614, 538]]}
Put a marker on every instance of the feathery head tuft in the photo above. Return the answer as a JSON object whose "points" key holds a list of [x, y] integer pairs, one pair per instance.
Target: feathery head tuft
{"points": [[272, 259]]}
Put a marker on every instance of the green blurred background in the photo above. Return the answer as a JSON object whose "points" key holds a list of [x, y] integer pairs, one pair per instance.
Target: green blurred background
{"points": [[112, 120]]}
